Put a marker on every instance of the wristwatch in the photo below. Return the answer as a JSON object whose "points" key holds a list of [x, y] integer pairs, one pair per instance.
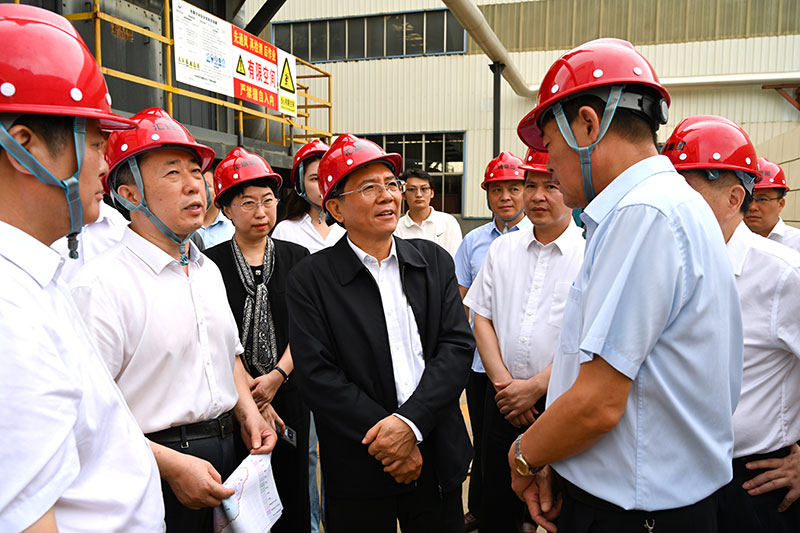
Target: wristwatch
{"points": [[522, 466]]}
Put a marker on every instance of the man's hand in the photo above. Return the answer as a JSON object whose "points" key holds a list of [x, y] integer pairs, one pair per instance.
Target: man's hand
{"points": [[524, 420], [782, 473], [408, 470], [271, 416], [263, 388], [390, 440], [195, 482], [518, 396], [258, 433]]}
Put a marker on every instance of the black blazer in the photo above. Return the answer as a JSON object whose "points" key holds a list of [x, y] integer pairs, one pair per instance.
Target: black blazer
{"points": [[344, 370]]}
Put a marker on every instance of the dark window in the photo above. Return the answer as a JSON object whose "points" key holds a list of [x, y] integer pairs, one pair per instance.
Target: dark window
{"points": [[375, 37], [336, 39], [377, 139], [283, 36], [355, 38], [394, 144], [414, 33], [394, 35], [434, 32], [300, 40], [434, 155], [454, 152], [451, 199], [319, 41], [455, 34], [413, 156]]}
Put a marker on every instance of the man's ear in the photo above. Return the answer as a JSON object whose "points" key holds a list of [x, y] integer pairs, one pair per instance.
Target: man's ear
{"points": [[333, 206], [130, 193], [586, 126], [226, 211], [28, 140], [433, 193], [781, 204], [736, 194]]}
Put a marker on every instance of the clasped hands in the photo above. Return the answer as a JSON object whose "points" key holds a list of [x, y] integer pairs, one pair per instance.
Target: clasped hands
{"points": [[392, 442]]}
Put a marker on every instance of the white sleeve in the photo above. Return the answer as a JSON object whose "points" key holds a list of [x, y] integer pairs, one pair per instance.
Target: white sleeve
{"points": [[39, 407], [452, 236], [479, 296], [103, 321]]}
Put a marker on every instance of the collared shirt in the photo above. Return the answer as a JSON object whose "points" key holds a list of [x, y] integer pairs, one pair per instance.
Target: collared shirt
{"points": [[69, 440], [302, 232], [469, 259], [527, 322], [94, 239], [441, 228], [786, 234], [168, 339], [656, 298], [405, 345], [768, 275], [220, 230]]}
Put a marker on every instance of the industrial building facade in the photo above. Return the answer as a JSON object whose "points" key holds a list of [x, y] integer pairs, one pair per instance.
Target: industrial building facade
{"points": [[407, 74]]}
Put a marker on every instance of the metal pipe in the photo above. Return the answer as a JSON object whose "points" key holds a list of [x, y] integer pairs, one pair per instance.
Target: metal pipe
{"points": [[497, 70], [168, 62], [98, 48]]}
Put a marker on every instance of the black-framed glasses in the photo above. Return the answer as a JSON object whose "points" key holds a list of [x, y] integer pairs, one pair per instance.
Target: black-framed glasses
{"points": [[425, 189], [764, 200], [370, 191], [250, 205]]}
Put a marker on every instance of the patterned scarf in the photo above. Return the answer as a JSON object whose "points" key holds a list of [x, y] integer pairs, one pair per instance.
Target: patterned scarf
{"points": [[258, 330]]}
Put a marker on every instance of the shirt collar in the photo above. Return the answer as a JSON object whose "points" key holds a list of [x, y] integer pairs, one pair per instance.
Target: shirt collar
{"points": [[779, 229], [570, 233], [607, 200], [739, 246], [364, 257], [525, 223], [40, 262], [407, 221], [219, 220], [153, 256]]}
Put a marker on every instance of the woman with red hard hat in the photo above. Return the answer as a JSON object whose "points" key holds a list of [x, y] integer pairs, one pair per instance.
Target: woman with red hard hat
{"points": [[764, 216], [254, 268], [303, 222]]}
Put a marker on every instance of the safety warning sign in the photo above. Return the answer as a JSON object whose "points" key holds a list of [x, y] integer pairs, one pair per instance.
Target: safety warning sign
{"points": [[215, 55]]}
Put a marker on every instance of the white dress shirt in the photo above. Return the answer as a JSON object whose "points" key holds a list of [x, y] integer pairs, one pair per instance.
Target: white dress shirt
{"points": [[168, 339], [527, 322], [302, 232], [786, 235], [768, 276], [405, 345], [94, 239], [69, 441], [441, 228]]}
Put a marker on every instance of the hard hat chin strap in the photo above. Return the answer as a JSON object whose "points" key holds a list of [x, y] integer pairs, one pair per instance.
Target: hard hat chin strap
{"points": [[300, 189], [503, 220], [143, 208], [585, 152], [69, 185]]}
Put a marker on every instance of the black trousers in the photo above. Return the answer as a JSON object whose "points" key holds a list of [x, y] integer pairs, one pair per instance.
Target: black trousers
{"points": [[738, 511], [289, 464], [426, 509], [583, 513], [503, 512], [219, 451], [476, 396]]}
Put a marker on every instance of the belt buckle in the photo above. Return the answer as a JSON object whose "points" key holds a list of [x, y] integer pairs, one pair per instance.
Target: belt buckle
{"points": [[222, 425]]}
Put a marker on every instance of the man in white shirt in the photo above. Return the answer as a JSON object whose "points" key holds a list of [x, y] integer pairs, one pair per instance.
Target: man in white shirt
{"points": [[518, 299], [73, 457], [160, 315], [718, 160], [769, 199], [422, 221]]}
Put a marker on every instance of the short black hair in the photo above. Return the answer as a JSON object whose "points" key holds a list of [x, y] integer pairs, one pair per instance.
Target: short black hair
{"points": [[416, 173], [55, 130], [630, 125], [227, 197]]}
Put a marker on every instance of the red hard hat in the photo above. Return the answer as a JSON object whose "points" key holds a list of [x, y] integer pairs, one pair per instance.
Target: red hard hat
{"points": [[504, 167], [347, 154], [535, 161], [598, 63], [314, 149], [708, 141], [156, 129], [45, 68], [240, 166], [771, 175]]}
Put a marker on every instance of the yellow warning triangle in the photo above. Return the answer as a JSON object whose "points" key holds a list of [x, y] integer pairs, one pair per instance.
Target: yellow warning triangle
{"points": [[287, 84], [240, 67]]}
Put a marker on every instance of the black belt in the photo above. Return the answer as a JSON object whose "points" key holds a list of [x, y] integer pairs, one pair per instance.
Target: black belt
{"points": [[216, 427], [740, 470], [584, 497]]}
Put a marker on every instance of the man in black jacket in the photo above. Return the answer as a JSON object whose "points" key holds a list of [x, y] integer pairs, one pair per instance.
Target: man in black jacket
{"points": [[382, 352]]}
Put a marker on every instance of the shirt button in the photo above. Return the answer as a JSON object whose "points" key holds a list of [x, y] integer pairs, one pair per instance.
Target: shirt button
{"points": [[529, 313], [523, 340], [538, 286]]}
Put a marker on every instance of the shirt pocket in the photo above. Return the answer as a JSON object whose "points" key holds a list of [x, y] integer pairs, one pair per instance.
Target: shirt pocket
{"points": [[558, 302], [572, 324]]}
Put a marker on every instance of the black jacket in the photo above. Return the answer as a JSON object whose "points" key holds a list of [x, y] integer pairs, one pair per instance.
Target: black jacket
{"points": [[344, 370]]}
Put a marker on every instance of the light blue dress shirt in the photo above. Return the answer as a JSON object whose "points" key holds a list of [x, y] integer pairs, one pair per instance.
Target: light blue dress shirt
{"points": [[469, 259], [220, 230], [656, 298]]}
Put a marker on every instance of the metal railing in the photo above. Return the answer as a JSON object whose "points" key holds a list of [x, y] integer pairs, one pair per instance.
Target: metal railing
{"points": [[243, 112]]}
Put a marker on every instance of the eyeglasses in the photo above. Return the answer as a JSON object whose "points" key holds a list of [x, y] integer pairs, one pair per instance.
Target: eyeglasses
{"points": [[250, 205], [370, 191], [764, 200], [421, 190]]}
